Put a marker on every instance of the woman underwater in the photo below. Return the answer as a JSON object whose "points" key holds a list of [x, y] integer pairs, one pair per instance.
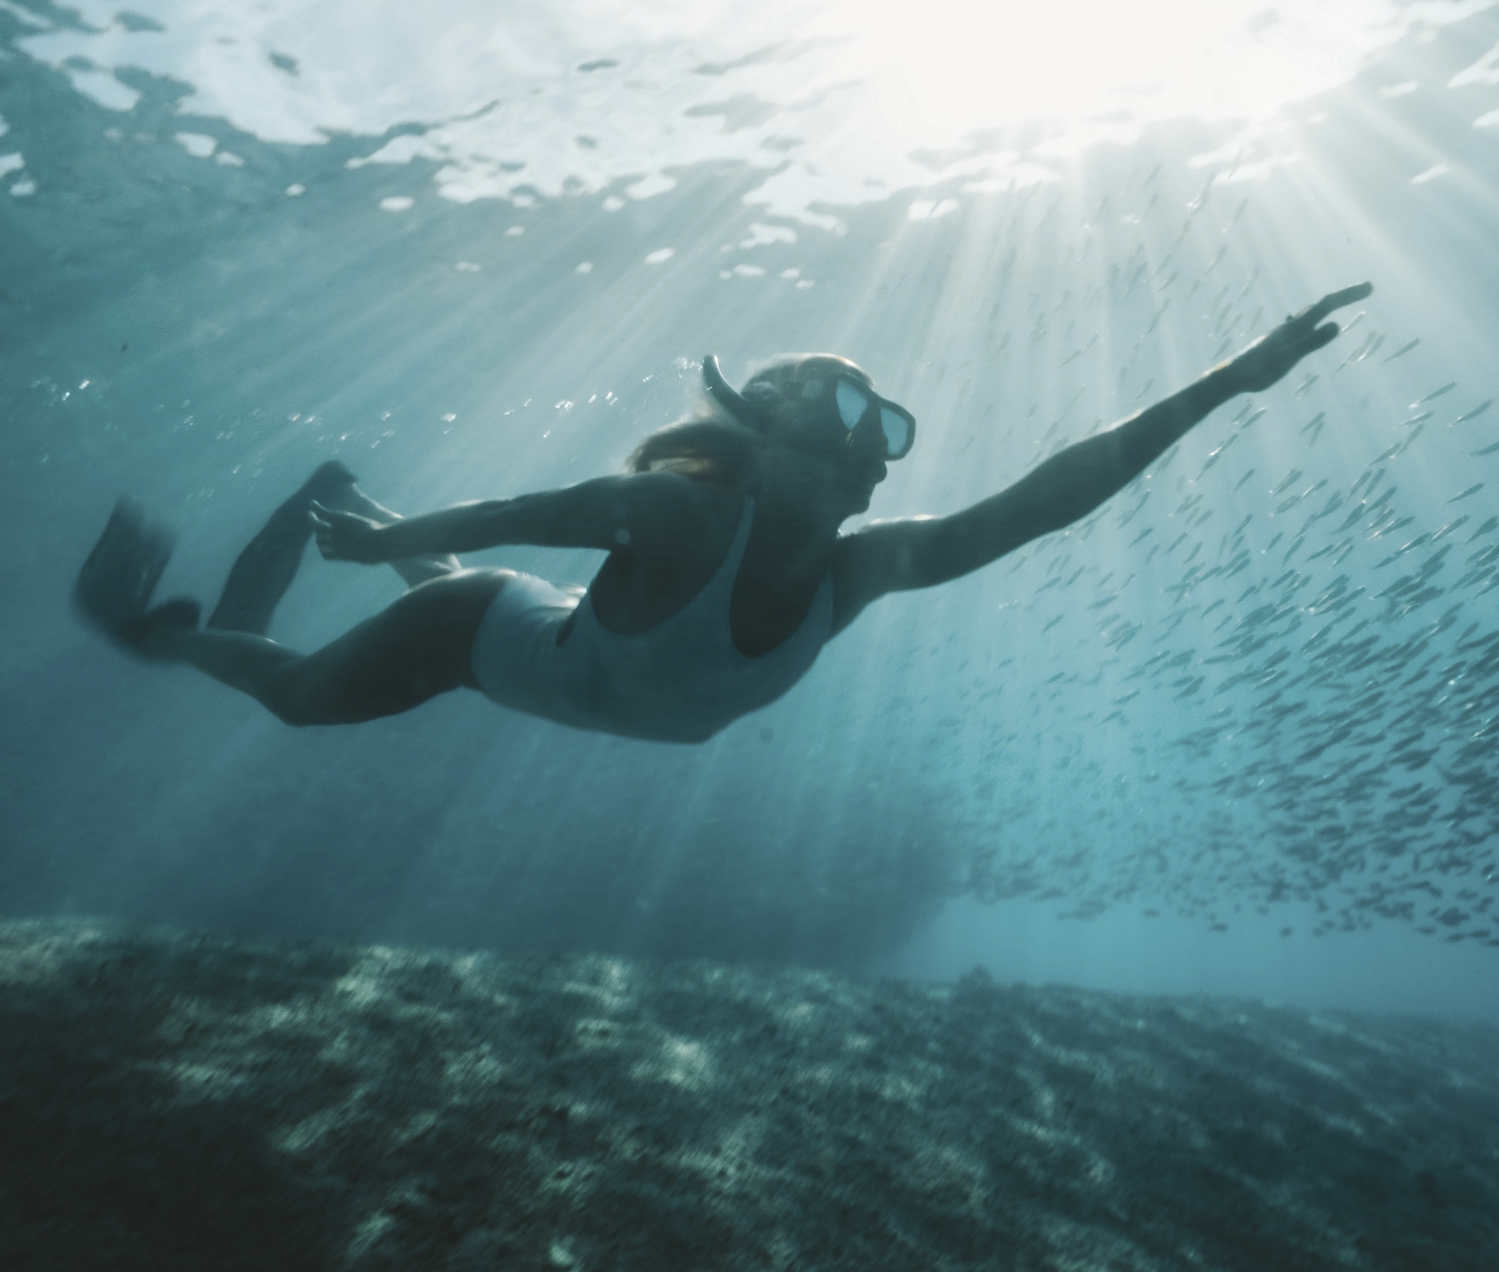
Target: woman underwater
{"points": [[726, 571]]}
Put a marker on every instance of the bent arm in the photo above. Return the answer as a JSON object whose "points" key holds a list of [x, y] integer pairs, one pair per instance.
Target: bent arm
{"points": [[646, 512], [413, 570]]}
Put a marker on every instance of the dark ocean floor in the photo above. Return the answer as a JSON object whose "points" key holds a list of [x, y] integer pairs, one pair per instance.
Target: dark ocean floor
{"points": [[177, 1101]]}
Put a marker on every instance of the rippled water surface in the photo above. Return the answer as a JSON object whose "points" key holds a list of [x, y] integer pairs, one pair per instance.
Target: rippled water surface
{"points": [[1235, 731]]}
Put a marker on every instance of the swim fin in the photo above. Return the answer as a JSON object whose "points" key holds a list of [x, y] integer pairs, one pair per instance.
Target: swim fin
{"points": [[262, 573], [114, 587]]}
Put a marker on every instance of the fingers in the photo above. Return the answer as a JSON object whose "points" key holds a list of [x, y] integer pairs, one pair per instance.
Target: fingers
{"points": [[1299, 343], [342, 536], [327, 520], [1324, 335], [322, 529], [1348, 295], [1334, 300]]}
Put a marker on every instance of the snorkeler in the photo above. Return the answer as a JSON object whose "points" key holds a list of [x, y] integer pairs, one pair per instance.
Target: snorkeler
{"points": [[726, 571]]}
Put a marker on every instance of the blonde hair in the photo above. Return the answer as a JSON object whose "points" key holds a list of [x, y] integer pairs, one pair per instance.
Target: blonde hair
{"points": [[700, 467], [704, 449]]}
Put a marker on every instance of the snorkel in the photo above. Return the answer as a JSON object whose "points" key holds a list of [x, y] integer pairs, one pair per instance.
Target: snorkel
{"points": [[727, 396]]}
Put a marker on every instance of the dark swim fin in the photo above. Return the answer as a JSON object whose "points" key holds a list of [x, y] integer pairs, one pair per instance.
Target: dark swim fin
{"points": [[262, 573], [114, 586], [116, 582]]}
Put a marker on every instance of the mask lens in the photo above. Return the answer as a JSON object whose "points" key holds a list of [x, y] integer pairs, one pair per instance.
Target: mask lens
{"points": [[851, 405], [897, 432]]}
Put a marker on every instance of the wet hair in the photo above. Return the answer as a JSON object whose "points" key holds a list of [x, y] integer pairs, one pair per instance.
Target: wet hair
{"points": [[712, 445], [708, 445]]}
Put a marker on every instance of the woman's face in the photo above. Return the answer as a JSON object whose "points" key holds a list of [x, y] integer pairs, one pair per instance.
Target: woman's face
{"points": [[828, 465], [838, 476]]}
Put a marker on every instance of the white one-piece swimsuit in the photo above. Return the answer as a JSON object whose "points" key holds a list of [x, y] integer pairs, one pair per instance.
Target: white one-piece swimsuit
{"points": [[680, 681]]}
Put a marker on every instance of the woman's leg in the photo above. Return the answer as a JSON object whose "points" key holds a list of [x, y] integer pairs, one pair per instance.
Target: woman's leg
{"points": [[417, 648], [264, 571]]}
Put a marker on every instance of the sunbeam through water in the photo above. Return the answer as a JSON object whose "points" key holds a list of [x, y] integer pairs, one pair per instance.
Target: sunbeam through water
{"points": [[1232, 732]]}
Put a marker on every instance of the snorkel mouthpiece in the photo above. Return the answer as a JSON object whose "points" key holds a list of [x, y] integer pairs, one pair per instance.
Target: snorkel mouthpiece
{"points": [[725, 395]]}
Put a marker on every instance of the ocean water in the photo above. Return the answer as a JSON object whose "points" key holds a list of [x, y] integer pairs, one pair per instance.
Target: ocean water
{"points": [[1233, 733]]}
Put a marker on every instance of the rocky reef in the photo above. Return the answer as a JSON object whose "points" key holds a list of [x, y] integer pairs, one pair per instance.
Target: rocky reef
{"points": [[180, 1101]]}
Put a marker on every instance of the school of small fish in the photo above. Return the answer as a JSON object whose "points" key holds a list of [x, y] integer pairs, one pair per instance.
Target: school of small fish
{"points": [[1324, 626]]}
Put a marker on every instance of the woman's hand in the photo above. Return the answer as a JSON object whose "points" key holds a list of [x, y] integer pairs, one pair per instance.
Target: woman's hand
{"points": [[1270, 357], [346, 536]]}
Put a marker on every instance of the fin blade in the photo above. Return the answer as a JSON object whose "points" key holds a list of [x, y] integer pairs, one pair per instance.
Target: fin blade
{"points": [[114, 586]]}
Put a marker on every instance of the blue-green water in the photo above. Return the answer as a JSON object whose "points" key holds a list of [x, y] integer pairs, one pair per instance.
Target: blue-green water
{"points": [[1235, 732]]}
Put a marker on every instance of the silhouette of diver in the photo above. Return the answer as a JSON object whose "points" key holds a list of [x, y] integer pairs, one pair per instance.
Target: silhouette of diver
{"points": [[726, 571]]}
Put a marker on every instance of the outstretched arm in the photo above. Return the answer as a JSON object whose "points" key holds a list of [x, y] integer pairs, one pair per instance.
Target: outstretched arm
{"points": [[653, 513], [920, 552]]}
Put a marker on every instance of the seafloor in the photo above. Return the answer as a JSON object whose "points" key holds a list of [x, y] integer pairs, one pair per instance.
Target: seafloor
{"points": [[171, 1101]]}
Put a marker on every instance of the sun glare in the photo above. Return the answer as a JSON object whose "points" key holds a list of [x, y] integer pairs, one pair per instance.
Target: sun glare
{"points": [[966, 66]]}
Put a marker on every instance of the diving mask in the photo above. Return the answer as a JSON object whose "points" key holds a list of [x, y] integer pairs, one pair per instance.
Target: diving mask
{"points": [[846, 406]]}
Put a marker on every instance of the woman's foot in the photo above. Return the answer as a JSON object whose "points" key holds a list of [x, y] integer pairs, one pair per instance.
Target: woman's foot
{"points": [[415, 570], [326, 480], [151, 634], [266, 568]]}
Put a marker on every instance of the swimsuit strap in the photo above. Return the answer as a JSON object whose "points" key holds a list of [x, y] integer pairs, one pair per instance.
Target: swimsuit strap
{"points": [[727, 575]]}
